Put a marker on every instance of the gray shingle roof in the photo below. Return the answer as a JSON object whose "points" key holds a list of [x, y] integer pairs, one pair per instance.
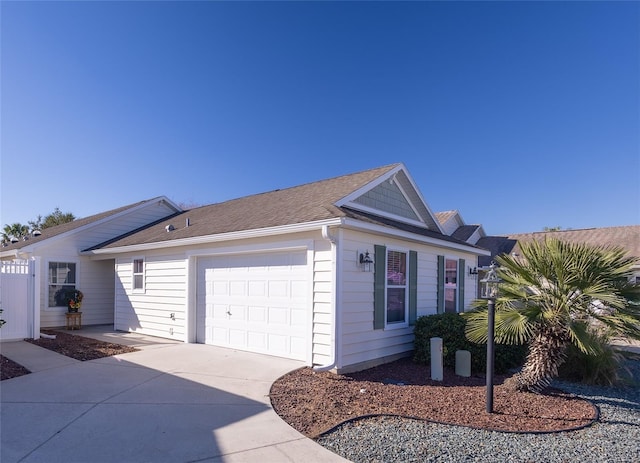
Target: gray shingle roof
{"points": [[300, 204], [464, 232]]}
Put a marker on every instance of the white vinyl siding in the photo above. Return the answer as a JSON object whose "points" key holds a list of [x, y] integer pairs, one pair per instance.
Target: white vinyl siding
{"points": [[360, 342], [160, 310], [323, 284]]}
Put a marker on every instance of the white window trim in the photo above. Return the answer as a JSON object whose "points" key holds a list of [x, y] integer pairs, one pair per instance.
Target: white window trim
{"points": [[133, 275], [405, 323], [63, 260]]}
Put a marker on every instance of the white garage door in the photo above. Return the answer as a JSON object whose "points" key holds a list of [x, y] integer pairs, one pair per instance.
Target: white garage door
{"points": [[255, 302]]}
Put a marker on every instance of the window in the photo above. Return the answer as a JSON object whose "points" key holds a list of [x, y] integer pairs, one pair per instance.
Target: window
{"points": [[62, 277], [396, 287], [138, 274], [450, 285]]}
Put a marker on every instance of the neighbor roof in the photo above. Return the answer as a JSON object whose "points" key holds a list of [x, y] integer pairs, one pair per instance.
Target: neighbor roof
{"points": [[464, 232], [627, 237], [444, 216], [311, 202]]}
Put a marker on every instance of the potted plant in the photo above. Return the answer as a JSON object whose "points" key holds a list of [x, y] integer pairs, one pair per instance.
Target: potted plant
{"points": [[74, 300]]}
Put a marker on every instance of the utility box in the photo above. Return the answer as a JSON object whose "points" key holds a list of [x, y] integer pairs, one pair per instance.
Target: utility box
{"points": [[436, 359], [463, 363]]}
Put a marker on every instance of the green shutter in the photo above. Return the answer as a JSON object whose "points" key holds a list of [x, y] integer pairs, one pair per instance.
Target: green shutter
{"points": [[413, 287], [379, 282], [440, 284], [461, 277]]}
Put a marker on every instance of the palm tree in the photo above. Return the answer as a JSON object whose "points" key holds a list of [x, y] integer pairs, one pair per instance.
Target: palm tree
{"points": [[15, 230], [557, 294]]}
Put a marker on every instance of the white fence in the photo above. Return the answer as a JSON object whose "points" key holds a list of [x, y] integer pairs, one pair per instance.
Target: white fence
{"points": [[16, 299]]}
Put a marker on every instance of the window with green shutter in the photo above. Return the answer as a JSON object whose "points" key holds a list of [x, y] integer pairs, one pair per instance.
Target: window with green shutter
{"points": [[395, 287]]}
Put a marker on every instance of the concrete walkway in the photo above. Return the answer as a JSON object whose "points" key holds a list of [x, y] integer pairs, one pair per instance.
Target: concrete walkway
{"points": [[169, 402]]}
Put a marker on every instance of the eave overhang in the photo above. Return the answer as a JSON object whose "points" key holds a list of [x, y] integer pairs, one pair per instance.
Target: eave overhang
{"points": [[107, 253]]}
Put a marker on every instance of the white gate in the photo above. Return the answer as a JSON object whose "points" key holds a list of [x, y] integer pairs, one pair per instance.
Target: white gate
{"points": [[16, 299]]}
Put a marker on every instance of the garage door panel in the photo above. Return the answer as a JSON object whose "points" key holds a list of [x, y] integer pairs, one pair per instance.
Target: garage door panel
{"points": [[219, 288], [278, 344], [278, 316], [237, 338], [238, 288], [257, 288], [259, 303], [278, 288], [298, 346], [237, 312], [218, 311], [257, 341], [258, 314], [298, 317]]}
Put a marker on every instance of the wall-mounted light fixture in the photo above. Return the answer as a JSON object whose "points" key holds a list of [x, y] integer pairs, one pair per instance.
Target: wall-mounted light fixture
{"points": [[366, 262], [473, 270]]}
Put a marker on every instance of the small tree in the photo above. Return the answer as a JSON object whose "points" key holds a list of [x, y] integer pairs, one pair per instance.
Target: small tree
{"points": [[555, 295], [57, 217]]}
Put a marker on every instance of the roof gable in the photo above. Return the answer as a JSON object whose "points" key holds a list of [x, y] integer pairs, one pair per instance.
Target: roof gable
{"points": [[78, 225], [393, 195]]}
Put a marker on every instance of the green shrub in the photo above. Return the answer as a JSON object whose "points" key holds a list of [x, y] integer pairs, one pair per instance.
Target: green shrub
{"points": [[606, 368], [450, 327]]}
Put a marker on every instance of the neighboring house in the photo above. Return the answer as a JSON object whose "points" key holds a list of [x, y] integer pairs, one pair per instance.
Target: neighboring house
{"points": [[53, 262], [333, 273], [454, 225], [626, 237]]}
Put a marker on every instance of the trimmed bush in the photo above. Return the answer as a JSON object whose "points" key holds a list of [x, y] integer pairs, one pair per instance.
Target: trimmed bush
{"points": [[451, 327]]}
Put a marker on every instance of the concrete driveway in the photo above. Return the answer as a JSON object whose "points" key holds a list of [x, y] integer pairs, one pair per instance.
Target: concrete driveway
{"points": [[169, 402]]}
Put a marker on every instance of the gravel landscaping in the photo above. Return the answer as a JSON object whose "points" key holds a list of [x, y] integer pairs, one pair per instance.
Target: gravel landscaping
{"points": [[614, 437]]}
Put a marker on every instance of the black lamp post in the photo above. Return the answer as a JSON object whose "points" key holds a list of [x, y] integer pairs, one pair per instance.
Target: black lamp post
{"points": [[489, 291]]}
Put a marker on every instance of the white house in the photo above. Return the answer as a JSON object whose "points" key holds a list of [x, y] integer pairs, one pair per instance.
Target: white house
{"points": [[34, 269], [333, 273]]}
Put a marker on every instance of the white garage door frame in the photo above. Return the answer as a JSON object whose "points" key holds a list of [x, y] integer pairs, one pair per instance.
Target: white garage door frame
{"points": [[247, 253]]}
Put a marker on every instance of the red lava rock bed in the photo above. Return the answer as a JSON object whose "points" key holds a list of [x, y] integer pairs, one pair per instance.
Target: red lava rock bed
{"points": [[314, 403]]}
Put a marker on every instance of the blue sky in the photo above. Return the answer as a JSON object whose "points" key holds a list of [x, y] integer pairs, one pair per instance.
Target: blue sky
{"points": [[520, 115]]}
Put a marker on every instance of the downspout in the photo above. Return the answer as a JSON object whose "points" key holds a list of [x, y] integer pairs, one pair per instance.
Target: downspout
{"points": [[337, 329]]}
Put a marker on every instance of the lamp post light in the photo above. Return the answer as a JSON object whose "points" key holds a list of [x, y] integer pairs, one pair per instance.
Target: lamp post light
{"points": [[489, 290]]}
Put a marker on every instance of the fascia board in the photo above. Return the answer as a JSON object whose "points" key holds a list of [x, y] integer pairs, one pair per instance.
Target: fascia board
{"points": [[169, 202], [388, 215], [245, 234], [383, 230]]}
